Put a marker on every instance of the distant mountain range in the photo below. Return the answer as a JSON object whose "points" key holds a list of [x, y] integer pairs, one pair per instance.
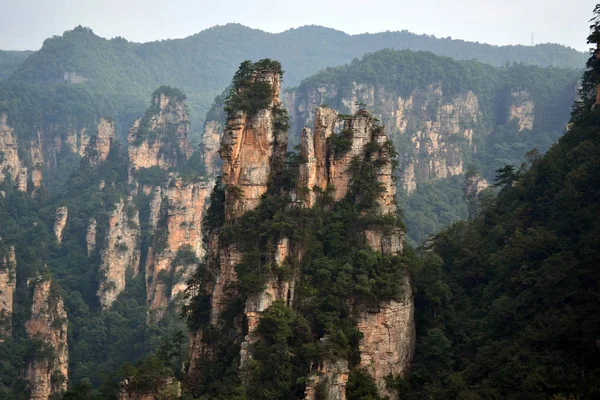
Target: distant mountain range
{"points": [[125, 73]]}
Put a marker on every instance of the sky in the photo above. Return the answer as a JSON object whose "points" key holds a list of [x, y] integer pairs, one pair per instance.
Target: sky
{"points": [[25, 24]]}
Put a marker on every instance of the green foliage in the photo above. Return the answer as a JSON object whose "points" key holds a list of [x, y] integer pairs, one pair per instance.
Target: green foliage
{"points": [[247, 94], [338, 272], [507, 304]]}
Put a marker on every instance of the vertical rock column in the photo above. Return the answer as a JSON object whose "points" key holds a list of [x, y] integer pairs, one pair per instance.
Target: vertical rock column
{"points": [[47, 370], [121, 253], [388, 330], [358, 130], [60, 221], [8, 283], [99, 145]]}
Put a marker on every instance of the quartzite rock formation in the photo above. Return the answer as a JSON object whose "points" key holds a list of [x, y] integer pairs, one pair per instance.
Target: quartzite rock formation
{"points": [[180, 230], [8, 284], [121, 253], [252, 154], [47, 371], [60, 221]]}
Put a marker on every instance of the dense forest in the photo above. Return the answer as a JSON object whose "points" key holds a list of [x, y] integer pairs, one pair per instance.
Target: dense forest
{"points": [[507, 303], [10, 61]]}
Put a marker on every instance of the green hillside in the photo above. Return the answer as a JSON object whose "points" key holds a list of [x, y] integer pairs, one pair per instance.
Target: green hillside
{"points": [[201, 64]]}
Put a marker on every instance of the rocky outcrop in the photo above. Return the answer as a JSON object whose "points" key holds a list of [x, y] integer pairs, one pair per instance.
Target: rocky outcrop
{"points": [[438, 128], [250, 149], [251, 152], [328, 381], [387, 346], [121, 253], [47, 370], [160, 138], [474, 185], [179, 232], [99, 145], [131, 390], [211, 142], [90, 237], [522, 109], [10, 163], [8, 284], [60, 221]]}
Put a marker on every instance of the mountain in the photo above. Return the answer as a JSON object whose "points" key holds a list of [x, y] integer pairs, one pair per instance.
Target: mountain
{"points": [[10, 61], [202, 64], [508, 305], [445, 117]]}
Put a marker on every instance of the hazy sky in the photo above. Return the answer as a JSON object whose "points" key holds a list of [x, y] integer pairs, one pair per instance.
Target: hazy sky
{"points": [[24, 24]]}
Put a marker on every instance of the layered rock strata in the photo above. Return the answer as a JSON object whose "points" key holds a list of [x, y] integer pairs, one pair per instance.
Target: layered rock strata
{"points": [[47, 370]]}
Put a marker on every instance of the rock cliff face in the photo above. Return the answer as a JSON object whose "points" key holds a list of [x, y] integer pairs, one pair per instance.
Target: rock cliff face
{"points": [[60, 221], [522, 109], [99, 145], [251, 153], [328, 381], [160, 138], [10, 163], [90, 237], [8, 284], [474, 185], [121, 253], [439, 129], [250, 148], [47, 370], [179, 232], [211, 142]]}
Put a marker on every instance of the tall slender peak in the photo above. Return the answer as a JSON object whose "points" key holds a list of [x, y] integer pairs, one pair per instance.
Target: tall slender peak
{"points": [[307, 173], [325, 123], [90, 237], [350, 143], [121, 253], [99, 145], [8, 284], [60, 221], [10, 162], [47, 371], [161, 137], [255, 138]]}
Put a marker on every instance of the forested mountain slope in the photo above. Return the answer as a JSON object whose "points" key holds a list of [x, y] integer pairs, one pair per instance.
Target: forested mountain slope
{"points": [[10, 61], [202, 64], [507, 304]]}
